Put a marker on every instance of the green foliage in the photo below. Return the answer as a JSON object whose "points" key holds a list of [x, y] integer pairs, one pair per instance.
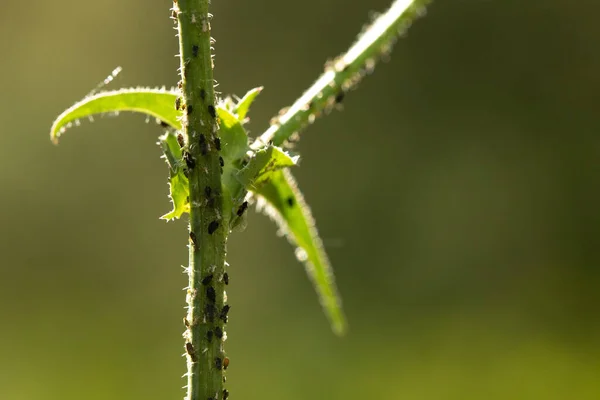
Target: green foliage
{"points": [[262, 172]]}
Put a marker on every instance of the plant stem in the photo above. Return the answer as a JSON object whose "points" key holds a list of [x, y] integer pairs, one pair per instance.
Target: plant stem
{"points": [[208, 233], [344, 73]]}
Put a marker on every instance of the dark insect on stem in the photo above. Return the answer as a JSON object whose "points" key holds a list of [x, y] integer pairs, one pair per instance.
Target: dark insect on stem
{"points": [[189, 348], [340, 97], [206, 280], [180, 140], [226, 278], [290, 201], [207, 191], [203, 94], [218, 332], [178, 103], [211, 111], [163, 124], [189, 160], [212, 227], [209, 335], [186, 322], [209, 312], [218, 144], [210, 294], [225, 363], [225, 392], [203, 144], [224, 312], [195, 50], [189, 109], [193, 238], [242, 209], [218, 363], [221, 161]]}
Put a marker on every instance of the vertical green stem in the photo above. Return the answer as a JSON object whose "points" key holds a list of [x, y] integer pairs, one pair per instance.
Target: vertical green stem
{"points": [[207, 312]]}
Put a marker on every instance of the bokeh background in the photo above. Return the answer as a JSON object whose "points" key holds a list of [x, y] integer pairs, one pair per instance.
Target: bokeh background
{"points": [[457, 194]]}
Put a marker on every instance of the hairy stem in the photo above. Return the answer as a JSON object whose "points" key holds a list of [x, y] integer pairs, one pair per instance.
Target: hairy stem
{"points": [[207, 312], [344, 72]]}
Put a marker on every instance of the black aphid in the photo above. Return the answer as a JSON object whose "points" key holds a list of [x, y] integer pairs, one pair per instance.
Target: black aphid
{"points": [[195, 50], [242, 208], [226, 278], [340, 97], [206, 280], [290, 201], [203, 144], [218, 363], [202, 94], [225, 394], [193, 238], [224, 312], [209, 335], [210, 294], [180, 140], [221, 161], [212, 227], [189, 109], [189, 160], [209, 312], [218, 144], [211, 111], [178, 103], [163, 124], [218, 332]]}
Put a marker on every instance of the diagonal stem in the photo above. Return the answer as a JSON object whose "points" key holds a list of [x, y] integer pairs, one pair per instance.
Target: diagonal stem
{"points": [[207, 312], [344, 73]]}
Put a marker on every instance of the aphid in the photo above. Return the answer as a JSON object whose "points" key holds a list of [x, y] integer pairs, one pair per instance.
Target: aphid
{"points": [[180, 84], [189, 109], [163, 124], [180, 140], [225, 394], [218, 332], [202, 94], [290, 201], [186, 322], [212, 227], [340, 97], [195, 50], [203, 144], [178, 103], [189, 348], [174, 15], [242, 208], [221, 162], [193, 238], [209, 335], [189, 160], [206, 280], [209, 312], [224, 312], [226, 278], [218, 144], [207, 191], [211, 111], [218, 363], [210, 294], [225, 363]]}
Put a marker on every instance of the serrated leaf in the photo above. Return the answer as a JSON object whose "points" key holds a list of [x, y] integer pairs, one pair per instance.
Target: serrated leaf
{"points": [[262, 164], [159, 103], [178, 182], [243, 106], [233, 136], [286, 205]]}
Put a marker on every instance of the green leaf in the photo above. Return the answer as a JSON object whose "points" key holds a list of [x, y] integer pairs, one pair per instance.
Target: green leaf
{"points": [[178, 182], [159, 103], [233, 136], [243, 106], [263, 164], [286, 205]]}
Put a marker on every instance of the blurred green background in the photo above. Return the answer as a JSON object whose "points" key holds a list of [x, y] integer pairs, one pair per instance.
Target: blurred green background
{"points": [[457, 194]]}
